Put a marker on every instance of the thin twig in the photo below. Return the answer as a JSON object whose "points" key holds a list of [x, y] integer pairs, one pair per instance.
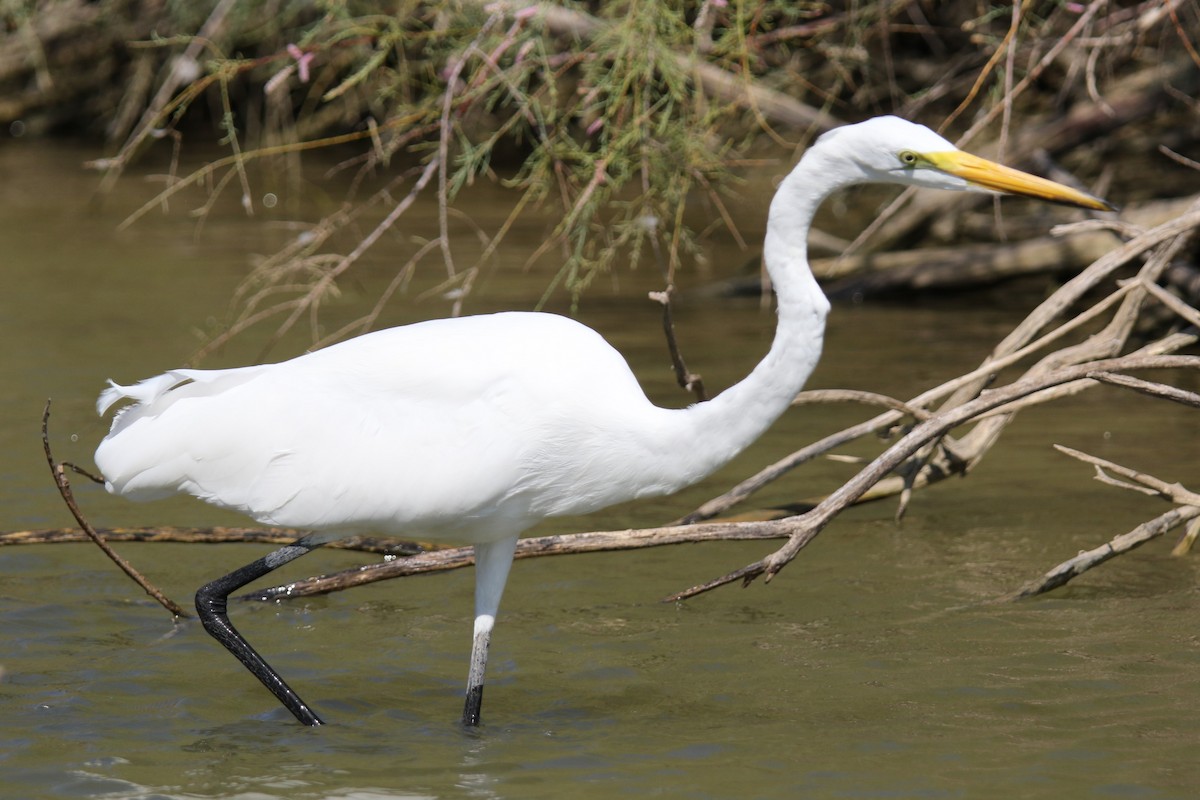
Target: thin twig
{"points": [[64, 489], [321, 286], [687, 379], [813, 396], [1151, 388], [1148, 483], [159, 106], [1187, 312], [444, 136]]}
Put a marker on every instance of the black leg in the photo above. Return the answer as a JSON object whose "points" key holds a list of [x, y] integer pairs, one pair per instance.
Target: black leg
{"points": [[211, 605]]}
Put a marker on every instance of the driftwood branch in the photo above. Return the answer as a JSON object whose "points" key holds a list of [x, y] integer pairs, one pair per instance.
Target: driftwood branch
{"points": [[1161, 390], [814, 396], [806, 527], [1081, 563], [212, 535], [64, 488], [564, 544], [1187, 511], [1134, 479]]}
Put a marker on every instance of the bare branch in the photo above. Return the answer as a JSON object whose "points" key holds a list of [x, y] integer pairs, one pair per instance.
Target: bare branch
{"points": [[213, 535], [686, 379], [813, 396], [64, 489], [809, 525], [1147, 387], [1074, 567], [597, 541], [1147, 483]]}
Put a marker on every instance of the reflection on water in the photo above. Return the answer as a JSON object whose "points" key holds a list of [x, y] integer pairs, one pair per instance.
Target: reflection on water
{"points": [[869, 667]]}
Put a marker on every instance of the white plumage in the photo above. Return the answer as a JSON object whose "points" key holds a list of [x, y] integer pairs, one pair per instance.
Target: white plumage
{"points": [[463, 429], [473, 429]]}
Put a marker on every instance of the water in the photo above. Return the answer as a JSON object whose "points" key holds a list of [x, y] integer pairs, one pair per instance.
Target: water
{"points": [[870, 667]]}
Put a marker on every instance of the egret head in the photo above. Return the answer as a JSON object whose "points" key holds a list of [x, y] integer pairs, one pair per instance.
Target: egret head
{"points": [[893, 150]]}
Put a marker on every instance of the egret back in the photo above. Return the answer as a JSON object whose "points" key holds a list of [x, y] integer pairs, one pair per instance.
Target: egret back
{"points": [[460, 429]]}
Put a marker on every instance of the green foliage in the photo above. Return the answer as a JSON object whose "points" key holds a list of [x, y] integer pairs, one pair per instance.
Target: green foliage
{"points": [[603, 125]]}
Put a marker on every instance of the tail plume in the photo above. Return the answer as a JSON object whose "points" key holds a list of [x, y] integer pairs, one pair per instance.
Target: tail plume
{"points": [[143, 392]]}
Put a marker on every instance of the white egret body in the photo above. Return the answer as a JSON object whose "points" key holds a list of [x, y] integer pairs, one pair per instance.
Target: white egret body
{"points": [[474, 429]]}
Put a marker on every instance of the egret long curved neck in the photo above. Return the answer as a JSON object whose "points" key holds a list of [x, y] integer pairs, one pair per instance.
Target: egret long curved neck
{"points": [[719, 429]]}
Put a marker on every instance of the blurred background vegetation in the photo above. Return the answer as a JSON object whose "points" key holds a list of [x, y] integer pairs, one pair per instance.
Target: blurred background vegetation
{"points": [[609, 121]]}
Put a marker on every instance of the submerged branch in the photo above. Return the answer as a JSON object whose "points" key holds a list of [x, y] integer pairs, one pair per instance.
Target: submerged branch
{"points": [[1081, 563], [1187, 511]]}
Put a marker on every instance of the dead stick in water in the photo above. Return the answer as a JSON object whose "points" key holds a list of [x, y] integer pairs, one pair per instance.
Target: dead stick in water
{"points": [[1081, 563], [209, 535], [64, 489]]}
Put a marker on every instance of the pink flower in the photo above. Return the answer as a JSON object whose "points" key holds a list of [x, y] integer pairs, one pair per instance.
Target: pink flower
{"points": [[303, 59]]}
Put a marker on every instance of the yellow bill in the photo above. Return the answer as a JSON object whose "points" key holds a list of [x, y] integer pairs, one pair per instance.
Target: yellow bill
{"points": [[990, 175]]}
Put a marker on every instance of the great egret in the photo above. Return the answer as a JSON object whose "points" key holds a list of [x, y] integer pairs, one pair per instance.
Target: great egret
{"points": [[473, 429]]}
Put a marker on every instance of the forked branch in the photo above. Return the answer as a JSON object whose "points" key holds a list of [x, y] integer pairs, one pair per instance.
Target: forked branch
{"points": [[57, 469], [1186, 511], [1081, 563], [806, 527]]}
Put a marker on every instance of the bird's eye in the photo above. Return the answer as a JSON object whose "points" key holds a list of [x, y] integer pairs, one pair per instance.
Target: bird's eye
{"points": [[909, 159]]}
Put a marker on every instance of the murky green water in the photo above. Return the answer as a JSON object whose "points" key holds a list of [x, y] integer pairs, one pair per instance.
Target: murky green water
{"points": [[868, 668]]}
